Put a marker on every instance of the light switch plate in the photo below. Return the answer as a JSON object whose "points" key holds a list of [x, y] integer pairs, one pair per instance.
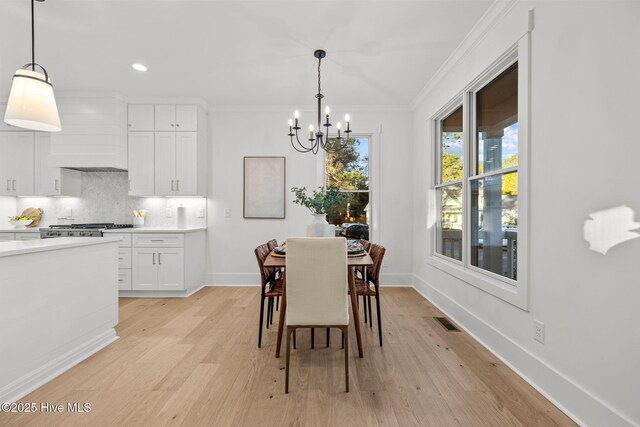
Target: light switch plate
{"points": [[200, 212], [168, 212], [227, 212], [69, 213]]}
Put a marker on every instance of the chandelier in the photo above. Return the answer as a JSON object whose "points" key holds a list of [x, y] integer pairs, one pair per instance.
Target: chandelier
{"points": [[317, 138]]}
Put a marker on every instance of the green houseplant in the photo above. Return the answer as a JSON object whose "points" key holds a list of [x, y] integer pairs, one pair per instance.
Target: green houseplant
{"points": [[320, 201]]}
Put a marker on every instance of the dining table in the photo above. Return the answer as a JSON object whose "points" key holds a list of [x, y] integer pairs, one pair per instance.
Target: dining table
{"points": [[353, 261]]}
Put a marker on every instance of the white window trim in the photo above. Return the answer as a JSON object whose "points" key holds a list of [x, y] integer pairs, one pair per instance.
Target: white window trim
{"points": [[515, 293]]}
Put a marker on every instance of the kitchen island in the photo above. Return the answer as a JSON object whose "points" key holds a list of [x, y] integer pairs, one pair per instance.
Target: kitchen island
{"points": [[58, 306]]}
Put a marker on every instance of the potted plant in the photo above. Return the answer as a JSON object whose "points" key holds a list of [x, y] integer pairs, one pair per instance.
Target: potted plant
{"points": [[319, 203]]}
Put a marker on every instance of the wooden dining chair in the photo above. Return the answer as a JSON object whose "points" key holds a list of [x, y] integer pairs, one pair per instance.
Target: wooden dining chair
{"points": [[364, 286], [271, 245], [271, 287], [316, 290]]}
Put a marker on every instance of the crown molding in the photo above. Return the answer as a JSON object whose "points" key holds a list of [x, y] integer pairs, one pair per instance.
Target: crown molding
{"points": [[494, 14], [306, 108]]}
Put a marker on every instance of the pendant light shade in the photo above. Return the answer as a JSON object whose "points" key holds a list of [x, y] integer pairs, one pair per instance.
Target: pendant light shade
{"points": [[32, 104]]}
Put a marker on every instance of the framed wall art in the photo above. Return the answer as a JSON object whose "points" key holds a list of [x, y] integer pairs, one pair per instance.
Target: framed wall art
{"points": [[264, 187]]}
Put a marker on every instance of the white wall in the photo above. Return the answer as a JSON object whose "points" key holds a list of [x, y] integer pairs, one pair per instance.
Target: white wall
{"points": [[584, 153], [7, 208], [235, 134]]}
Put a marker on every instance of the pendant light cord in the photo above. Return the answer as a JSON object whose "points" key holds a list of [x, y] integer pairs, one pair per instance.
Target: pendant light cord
{"points": [[33, 39]]}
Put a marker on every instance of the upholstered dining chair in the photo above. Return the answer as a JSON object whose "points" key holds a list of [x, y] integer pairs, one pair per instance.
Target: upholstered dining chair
{"points": [[271, 287], [316, 290], [364, 286]]}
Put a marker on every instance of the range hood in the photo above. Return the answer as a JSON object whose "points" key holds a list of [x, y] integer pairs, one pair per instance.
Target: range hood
{"points": [[93, 136]]}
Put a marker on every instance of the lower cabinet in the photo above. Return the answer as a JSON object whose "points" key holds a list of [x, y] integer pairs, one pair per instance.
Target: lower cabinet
{"points": [[158, 269], [160, 261], [25, 235]]}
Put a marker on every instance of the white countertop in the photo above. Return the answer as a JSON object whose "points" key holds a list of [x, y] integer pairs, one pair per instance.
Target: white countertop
{"points": [[20, 230], [18, 247], [156, 230]]}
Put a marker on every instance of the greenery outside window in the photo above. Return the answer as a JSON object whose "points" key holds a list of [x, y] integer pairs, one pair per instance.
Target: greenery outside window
{"points": [[347, 170]]}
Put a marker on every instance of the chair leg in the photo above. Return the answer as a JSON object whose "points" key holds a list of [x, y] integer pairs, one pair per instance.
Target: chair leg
{"points": [[313, 337], [328, 336], [268, 312], [277, 303], [287, 357], [343, 339], [379, 316], [261, 321], [294, 339], [345, 342], [370, 312], [364, 303], [272, 305]]}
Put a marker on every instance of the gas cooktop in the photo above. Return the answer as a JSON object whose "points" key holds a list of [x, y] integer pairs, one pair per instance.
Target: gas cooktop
{"points": [[80, 230]]}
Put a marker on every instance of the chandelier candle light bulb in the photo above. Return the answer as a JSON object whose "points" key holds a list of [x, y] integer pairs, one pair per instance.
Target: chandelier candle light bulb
{"points": [[321, 139]]}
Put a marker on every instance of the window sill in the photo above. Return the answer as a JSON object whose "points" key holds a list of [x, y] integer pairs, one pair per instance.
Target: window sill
{"points": [[514, 295]]}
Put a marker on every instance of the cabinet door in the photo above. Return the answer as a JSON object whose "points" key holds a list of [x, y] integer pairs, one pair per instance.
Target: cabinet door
{"points": [[187, 118], [165, 163], [144, 269], [47, 179], [26, 235], [186, 164], [171, 269], [140, 118], [165, 118], [141, 164], [16, 164], [7, 237], [124, 280]]}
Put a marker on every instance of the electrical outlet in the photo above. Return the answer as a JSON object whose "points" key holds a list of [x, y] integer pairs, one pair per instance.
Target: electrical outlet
{"points": [[200, 213], [227, 212], [538, 331], [168, 212], [69, 213]]}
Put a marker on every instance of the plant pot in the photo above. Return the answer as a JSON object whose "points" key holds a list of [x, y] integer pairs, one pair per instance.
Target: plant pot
{"points": [[320, 227]]}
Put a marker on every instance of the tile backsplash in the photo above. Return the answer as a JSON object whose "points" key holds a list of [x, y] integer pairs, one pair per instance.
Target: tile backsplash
{"points": [[104, 199]]}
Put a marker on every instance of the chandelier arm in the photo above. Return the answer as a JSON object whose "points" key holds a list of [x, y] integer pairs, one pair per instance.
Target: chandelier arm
{"points": [[305, 149]]}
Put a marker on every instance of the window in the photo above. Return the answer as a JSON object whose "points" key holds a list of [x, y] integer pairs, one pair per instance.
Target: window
{"points": [[479, 186], [449, 185], [348, 171]]}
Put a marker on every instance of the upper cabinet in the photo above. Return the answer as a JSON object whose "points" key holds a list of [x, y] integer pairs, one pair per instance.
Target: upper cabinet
{"points": [[140, 118], [179, 118], [171, 161], [16, 163], [52, 181]]}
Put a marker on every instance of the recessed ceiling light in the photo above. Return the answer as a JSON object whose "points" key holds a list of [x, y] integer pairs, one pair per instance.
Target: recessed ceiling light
{"points": [[138, 67]]}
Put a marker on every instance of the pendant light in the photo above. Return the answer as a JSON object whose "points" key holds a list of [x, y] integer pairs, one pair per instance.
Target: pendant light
{"points": [[32, 104]]}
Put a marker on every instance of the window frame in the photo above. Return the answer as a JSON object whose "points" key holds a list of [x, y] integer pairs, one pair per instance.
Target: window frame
{"points": [[515, 292]]}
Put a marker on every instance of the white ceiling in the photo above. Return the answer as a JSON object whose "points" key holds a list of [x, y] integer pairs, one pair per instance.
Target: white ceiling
{"points": [[243, 53]]}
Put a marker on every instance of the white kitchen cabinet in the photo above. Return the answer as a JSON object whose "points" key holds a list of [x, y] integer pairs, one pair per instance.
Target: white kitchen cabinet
{"points": [[140, 118], [176, 118], [141, 163], [124, 260], [52, 181], [16, 163], [165, 163], [159, 269], [7, 237], [179, 154], [176, 163], [144, 270], [124, 280]]}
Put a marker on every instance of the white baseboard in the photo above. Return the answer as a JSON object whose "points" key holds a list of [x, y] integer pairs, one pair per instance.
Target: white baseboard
{"points": [[38, 377], [159, 294], [577, 403]]}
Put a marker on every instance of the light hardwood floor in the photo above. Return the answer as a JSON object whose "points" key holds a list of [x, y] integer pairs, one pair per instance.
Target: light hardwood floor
{"points": [[195, 362]]}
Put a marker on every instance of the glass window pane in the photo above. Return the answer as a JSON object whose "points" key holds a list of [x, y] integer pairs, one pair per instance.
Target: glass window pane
{"points": [[348, 169], [449, 226], [351, 217], [497, 122], [494, 224], [451, 154]]}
